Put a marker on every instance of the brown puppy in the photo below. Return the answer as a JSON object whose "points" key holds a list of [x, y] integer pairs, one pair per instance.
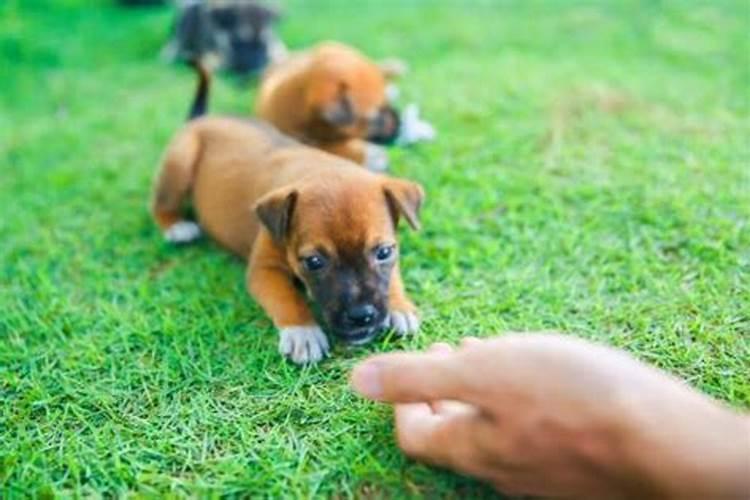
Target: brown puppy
{"points": [[331, 97], [300, 216]]}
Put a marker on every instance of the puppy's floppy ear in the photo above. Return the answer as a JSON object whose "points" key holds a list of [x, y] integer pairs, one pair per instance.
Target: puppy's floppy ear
{"points": [[340, 111], [275, 212], [404, 199]]}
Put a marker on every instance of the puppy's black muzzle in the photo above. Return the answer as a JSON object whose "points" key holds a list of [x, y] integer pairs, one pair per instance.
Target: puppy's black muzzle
{"points": [[362, 316], [359, 324], [384, 128]]}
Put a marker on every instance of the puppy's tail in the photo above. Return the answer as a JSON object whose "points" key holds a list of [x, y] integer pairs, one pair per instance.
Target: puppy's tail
{"points": [[200, 101]]}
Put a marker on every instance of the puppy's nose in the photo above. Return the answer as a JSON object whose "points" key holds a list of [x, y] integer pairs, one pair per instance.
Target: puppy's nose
{"points": [[363, 315]]}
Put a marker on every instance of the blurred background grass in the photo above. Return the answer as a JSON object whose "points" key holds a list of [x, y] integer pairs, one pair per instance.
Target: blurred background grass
{"points": [[592, 174]]}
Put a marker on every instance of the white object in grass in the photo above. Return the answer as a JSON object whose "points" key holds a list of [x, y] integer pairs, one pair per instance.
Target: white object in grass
{"points": [[413, 128], [183, 231]]}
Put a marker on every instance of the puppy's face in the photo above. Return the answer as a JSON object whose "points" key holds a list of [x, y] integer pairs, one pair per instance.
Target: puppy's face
{"points": [[340, 241], [385, 128], [349, 99], [240, 30]]}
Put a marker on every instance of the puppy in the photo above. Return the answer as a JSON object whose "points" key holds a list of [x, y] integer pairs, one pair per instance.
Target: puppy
{"points": [[334, 98], [304, 219], [237, 34]]}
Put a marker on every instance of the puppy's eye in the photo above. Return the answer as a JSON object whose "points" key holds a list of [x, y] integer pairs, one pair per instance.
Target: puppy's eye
{"points": [[314, 262], [384, 253]]}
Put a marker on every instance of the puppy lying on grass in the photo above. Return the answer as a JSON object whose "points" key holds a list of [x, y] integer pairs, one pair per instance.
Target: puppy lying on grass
{"points": [[336, 99], [303, 219]]}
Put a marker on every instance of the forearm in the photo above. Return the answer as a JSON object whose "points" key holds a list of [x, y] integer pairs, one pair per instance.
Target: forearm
{"points": [[681, 444]]}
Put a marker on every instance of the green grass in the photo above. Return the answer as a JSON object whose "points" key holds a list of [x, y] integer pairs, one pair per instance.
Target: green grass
{"points": [[592, 175]]}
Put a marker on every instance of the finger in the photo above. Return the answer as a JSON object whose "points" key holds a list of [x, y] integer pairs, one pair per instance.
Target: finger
{"points": [[414, 423], [453, 442], [440, 347], [447, 407], [413, 377], [470, 341]]}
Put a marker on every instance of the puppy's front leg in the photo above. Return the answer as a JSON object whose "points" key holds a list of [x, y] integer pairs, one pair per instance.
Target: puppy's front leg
{"points": [[403, 315], [271, 283]]}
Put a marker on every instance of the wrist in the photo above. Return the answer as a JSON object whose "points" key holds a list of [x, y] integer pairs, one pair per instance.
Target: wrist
{"points": [[678, 443]]}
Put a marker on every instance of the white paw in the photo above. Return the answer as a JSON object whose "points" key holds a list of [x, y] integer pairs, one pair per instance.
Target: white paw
{"points": [[182, 232], [376, 158], [413, 128], [403, 322], [392, 92], [303, 344]]}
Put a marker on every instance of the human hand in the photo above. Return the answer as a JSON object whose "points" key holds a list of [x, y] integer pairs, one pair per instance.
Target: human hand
{"points": [[551, 415]]}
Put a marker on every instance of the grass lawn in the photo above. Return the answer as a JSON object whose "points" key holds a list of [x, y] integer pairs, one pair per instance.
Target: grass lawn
{"points": [[592, 175]]}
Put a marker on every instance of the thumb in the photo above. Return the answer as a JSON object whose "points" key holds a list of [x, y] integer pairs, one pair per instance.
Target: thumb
{"points": [[412, 377]]}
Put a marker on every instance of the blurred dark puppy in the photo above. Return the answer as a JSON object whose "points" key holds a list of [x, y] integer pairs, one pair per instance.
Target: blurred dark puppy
{"points": [[238, 34]]}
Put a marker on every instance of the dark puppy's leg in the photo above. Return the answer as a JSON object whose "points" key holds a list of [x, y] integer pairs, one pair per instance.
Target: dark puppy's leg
{"points": [[172, 187], [367, 154]]}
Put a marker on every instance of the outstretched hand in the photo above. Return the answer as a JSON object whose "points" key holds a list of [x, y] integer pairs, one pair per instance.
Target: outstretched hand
{"points": [[552, 415]]}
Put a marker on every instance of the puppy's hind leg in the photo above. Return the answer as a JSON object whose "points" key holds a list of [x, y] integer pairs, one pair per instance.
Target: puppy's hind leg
{"points": [[172, 186]]}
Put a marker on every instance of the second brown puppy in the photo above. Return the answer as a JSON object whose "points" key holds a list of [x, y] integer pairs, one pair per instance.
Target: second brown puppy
{"points": [[331, 97], [299, 216]]}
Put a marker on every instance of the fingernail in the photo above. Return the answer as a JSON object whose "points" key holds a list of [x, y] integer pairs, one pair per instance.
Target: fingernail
{"points": [[366, 380]]}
